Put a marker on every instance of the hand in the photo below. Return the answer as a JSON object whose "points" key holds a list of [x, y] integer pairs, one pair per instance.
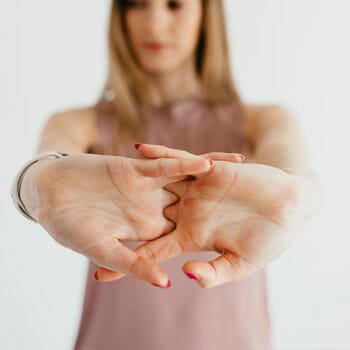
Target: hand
{"points": [[248, 213], [150, 152], [91, 203]]}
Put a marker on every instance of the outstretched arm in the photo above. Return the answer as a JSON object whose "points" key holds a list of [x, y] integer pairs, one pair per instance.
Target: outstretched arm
{"points": [[277, 141]]}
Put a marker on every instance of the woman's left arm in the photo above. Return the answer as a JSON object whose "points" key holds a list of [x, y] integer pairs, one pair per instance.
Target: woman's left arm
{"points": [[276, 140]]}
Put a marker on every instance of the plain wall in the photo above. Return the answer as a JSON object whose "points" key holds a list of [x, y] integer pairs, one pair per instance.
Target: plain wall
{"points": [[290, 52]]}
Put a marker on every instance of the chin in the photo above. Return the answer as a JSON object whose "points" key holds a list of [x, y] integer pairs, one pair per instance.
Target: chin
{"points": [[159, 68]]}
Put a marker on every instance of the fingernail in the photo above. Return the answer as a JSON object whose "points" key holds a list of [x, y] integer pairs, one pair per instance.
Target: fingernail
{"points": [[242, 156], [192, 275], [167, 286], [95, 276], [137, 145], [211, 162]]}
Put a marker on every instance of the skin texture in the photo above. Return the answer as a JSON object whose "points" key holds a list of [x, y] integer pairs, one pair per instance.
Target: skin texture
{"points": [[93, 206], [248, 211]]}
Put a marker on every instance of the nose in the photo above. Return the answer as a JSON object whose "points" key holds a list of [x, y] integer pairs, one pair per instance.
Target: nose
{"points": [[156, 19]]}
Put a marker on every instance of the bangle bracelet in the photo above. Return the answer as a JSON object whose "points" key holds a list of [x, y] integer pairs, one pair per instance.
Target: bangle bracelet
{"points": [[17, 182]]}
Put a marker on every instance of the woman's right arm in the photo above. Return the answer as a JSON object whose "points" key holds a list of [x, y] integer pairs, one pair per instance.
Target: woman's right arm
{"points": [[73, 132], [90, 203]]}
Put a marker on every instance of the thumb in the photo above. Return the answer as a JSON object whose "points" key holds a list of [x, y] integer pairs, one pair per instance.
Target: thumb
{"points": [[105, 275], [112, 255], [226, 268]]}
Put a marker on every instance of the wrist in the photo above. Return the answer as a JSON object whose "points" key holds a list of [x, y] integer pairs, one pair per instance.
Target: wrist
{"points": [[28, 178], [28, 191], [310, 193]]}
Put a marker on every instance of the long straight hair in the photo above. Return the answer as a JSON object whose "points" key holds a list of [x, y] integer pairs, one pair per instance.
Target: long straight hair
{"points": [[125, 84]]}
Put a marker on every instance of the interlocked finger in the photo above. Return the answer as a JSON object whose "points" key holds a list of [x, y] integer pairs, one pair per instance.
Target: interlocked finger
{"points": [[163, 167], [113, 255], [159, 151]]}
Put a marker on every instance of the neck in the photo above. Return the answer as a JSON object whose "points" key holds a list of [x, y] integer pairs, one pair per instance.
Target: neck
{"points": [[176, 85]]}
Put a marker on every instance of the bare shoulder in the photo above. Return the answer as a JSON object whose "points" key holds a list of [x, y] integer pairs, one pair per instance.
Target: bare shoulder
{"points": [[258, 117], [259, 112], [80, 123], [267, 121]]}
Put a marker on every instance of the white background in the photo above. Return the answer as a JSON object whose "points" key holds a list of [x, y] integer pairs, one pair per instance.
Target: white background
{"points": [[290, 52]]}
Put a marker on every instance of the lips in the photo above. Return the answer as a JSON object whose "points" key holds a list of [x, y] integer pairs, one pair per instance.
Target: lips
{"points": [[155, 46]]}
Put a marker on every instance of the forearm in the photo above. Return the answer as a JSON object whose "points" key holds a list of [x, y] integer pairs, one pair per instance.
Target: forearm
{"points": [[292, 159], [289, 157], [58, 134], [279, 142]]}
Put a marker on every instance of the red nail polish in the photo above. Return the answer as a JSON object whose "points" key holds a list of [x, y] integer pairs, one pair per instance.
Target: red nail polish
{"points": [[243, 157], [167, 286], [137, 145], [95, 276], [192, 275]]}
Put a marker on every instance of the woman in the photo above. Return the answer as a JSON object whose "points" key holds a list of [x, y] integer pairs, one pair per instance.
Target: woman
{"points": [[170, 85]]}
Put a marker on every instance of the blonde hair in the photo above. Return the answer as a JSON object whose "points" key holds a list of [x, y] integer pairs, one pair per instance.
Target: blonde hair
{"points": [[126, 79]]}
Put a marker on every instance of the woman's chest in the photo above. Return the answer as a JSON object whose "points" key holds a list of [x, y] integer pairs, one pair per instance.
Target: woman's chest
{"points": [[197, 133]]}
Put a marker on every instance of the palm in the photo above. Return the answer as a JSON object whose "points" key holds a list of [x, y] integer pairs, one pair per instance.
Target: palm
{"points": [[107, 202], [234, 208], [99, 201]]}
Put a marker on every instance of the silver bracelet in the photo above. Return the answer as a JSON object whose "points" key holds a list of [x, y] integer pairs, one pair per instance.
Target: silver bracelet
{"points": [[17, 181]]}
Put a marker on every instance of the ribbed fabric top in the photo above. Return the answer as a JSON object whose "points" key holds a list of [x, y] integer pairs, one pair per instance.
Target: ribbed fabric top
{"points": [[133, 315]]}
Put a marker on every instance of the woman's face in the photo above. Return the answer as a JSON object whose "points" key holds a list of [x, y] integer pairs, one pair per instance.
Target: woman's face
{"points": [[163, 34]]}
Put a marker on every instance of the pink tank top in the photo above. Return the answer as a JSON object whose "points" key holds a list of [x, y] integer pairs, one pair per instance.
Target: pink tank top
{"points": [[130, 314]]}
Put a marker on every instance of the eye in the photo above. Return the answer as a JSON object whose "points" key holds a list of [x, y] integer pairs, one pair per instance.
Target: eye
{"points": [[134, 3], [174, 5]]}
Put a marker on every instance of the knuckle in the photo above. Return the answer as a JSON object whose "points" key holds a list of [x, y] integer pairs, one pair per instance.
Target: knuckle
{"points": [[137, 262], [208, 155], [146, 252], [166, 151]]}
